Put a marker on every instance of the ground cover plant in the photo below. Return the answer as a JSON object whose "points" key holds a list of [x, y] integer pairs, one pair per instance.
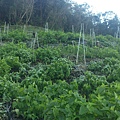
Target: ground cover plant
{"points": [[45, 83]]}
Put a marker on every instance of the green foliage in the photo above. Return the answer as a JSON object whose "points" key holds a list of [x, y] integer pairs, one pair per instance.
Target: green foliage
{"points": [[4, 68], [107, 41], [59, 88], [8, 50], [10, 94], [47, 37], [115, 75], [39, 83], [58, 69], [53, 37], [62, 101], [89, 82], [15, 36], [65, 108], [26, 55], [73, 106], [107, 100], [14, 63], [47, 55], [101, 53], [61, 37], [2, 86], [30, 103], [95, 66], [108, 67], [17, 50]]}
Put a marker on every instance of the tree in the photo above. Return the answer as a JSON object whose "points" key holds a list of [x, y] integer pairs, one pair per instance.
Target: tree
{"points": [[27, 9], [60, 14]]}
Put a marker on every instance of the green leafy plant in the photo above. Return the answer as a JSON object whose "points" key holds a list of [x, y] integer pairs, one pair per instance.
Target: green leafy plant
{"points": [[58, 69], [47, 55], [4, 67], [15, 35], [30, 103]]}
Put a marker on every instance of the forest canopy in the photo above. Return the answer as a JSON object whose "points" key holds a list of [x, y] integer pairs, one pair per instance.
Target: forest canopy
{"points": [[59, 14]]}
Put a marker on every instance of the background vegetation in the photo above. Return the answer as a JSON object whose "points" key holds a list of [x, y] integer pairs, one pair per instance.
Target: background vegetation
{"points": [[59, 14], [39, 76], [45, 83]]}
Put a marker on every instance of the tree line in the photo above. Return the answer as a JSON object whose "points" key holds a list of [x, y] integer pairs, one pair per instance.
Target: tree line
{"points": [[62, 15]]}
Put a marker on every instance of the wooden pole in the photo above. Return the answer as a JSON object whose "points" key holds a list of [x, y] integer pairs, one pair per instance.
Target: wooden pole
{"points": [[78, 45], [0, 36], [94, 37], [24, 28], [72, 28], [84, 46], [0, 33], [90, 33], [118, 33], [46, 27], [5, 27], [36, 37]]}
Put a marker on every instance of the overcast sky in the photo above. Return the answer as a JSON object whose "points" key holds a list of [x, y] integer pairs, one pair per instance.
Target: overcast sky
{"points": [[103, 5]]}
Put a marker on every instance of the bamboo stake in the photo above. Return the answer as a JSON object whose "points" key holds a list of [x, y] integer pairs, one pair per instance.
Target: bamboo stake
{"points": [[0, 36], [84, 46], [118, 33], [78, 45], [90, 33], [94, 37], [24, 28], [91, 39], [72, 28], [35, 40], [36, 37], [0, 32], [46, 27], [5, 27]]}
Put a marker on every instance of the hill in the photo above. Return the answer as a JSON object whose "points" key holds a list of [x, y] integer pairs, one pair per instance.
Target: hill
{"points": [[40, 79]]}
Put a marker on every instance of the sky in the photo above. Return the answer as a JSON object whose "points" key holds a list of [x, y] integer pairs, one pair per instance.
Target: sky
{"points": [[102, 5]]}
